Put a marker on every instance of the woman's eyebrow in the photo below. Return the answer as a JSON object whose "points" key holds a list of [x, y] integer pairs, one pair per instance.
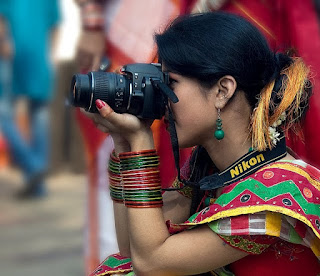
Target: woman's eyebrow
{"points": [[173, 75]]}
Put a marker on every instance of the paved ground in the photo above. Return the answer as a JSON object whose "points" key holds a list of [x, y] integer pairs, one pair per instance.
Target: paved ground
{"points": [[42, 237]]}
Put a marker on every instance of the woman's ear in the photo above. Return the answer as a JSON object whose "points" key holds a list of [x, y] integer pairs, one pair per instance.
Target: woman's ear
{"points": [[227, 86]]}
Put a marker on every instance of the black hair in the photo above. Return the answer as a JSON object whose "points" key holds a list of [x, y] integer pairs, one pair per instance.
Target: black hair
{"points": [[209, 46]]}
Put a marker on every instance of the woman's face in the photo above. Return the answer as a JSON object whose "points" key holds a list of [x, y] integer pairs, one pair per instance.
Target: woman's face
{"points": [[195, 113]]}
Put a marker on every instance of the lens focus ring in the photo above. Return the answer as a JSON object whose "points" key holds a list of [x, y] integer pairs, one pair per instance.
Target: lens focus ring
{"points": [[100, 86]]}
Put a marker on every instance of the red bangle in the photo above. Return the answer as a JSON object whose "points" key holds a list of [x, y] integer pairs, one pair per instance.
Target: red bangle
{"points": [[134, 153], [156, 204], [145, 188], [140, 179], [144, 171]]}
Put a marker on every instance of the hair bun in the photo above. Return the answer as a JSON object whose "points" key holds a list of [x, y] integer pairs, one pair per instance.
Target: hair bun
{"points": [[282, 61]]}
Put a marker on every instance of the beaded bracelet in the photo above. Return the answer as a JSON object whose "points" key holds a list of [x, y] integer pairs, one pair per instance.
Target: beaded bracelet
{"points": [[141, 179], [92, 16], [115, 186]]}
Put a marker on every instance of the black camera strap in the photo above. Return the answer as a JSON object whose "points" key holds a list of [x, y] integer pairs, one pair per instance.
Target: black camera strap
{"points": [[244, 166], [175, 145], [169, 94]]}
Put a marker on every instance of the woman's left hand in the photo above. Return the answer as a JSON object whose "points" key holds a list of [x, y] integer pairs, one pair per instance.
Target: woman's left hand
{"points": [[123, 127]]}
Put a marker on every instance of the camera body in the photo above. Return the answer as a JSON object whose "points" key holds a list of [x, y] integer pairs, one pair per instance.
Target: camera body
{"points": [[141, 89]]}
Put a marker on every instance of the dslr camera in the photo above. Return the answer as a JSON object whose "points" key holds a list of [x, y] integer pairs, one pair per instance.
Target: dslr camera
{"points": [[142, 89]]}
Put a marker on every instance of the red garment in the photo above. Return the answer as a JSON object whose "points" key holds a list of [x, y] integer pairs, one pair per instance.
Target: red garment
{"points": [[281, 258], [272, 215], [286, 24]]}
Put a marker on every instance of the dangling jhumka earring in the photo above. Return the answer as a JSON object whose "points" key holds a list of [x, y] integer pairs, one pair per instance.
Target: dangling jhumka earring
{"points": [[219, 133]]}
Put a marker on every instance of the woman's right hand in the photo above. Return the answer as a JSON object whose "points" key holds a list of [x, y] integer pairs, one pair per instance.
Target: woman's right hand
{"points": [[129, 133]]}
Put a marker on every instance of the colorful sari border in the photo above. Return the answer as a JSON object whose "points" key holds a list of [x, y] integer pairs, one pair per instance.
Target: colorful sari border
{"points": [[251, 210]]}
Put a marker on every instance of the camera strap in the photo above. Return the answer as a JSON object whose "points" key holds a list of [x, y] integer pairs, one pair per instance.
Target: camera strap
{"points": [[243, 167], [175, 146]]}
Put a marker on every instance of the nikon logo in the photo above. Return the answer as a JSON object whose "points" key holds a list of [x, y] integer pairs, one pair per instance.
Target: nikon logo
{"points": [[245, 165]]}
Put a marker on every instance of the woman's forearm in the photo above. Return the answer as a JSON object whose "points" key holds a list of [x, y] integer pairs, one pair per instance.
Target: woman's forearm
{"points": [[120, 211], [148, 233], [121, 223], [146, 225]]}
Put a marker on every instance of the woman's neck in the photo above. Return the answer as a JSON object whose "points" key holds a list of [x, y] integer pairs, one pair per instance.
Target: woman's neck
{"points": [[225, 152]]}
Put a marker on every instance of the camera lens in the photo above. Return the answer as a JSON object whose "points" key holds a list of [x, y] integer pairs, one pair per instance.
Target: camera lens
{"points": [[80, 90], [109, 87]]}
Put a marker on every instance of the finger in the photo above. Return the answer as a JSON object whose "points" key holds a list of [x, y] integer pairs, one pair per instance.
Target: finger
{"points": [[104, 109], [103, 128], [87, 114], [107, 112], [82, 110]]}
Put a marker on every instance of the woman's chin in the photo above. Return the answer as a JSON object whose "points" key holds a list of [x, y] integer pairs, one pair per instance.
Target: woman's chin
{"points": [[185, 144], [182, 141]]}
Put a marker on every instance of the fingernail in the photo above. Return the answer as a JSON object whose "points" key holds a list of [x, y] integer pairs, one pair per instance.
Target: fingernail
{"points": [[100, 104]]}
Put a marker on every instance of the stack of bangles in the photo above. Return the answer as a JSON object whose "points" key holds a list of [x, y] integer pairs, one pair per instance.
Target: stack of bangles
{"points": [[115, 178], [135, 179]]}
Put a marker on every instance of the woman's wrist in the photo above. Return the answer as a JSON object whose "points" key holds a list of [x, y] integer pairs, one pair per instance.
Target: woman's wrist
{"points": [[141, 141], [120, 144]]}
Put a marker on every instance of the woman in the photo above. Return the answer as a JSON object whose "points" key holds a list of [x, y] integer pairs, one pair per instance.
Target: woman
{"points": [[255, 209]]}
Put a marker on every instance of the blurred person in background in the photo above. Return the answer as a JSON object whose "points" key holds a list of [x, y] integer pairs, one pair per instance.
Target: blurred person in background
{"points": [[33, 27], [5, 80], [113, 29], [5, 56]]}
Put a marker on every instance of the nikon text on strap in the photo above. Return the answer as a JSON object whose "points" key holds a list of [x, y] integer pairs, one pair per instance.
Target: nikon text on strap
{"points": [[244, 166]]}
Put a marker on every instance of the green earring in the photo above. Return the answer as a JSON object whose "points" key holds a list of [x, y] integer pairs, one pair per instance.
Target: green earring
{"points": [[219, 133]]}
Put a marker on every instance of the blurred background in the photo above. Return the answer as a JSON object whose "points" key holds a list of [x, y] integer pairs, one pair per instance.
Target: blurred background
{"points": [[55, 214], [43, 235]]}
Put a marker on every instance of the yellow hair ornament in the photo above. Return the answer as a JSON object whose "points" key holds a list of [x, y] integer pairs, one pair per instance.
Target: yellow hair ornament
{"points": [[260, 126], [291, 96], [297, 78]]}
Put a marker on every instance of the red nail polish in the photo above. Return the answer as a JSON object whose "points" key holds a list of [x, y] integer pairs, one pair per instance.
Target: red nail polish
{"points": [[100, 104]]}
